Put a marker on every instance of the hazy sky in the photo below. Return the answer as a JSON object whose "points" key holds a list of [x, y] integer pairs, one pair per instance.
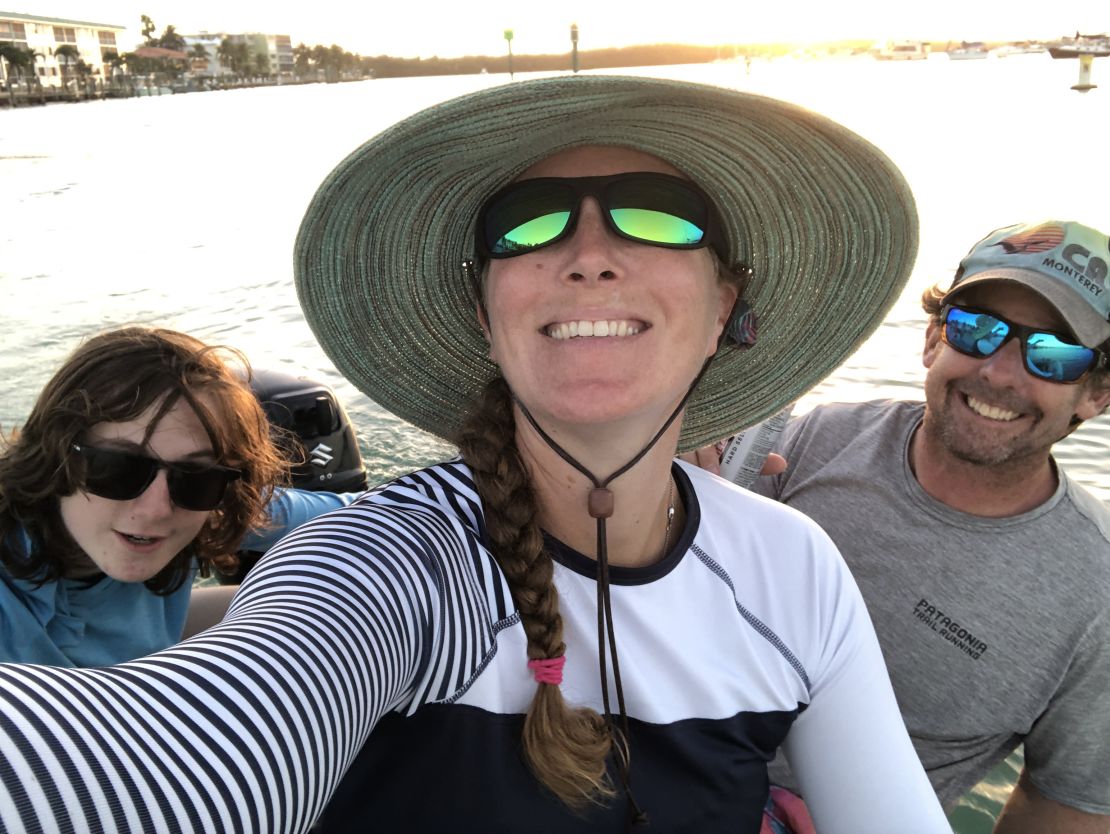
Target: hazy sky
{"points": [[456, 27]]}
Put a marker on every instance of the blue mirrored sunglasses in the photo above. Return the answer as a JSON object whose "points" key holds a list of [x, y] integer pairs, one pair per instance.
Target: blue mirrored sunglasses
{"points": [[651, 208], [1050, 356]]}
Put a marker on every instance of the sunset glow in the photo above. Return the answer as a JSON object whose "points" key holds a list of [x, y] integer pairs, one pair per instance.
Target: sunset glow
{"points": [[447, 28]]}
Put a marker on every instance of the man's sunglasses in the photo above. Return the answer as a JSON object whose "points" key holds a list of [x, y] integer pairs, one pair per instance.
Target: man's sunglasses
{"points": [[656, 209], [123, 476], [1054, 357]]}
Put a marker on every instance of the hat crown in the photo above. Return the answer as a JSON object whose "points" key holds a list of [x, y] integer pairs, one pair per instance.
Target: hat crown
{"points": [[825, 220], [1066, 262]]}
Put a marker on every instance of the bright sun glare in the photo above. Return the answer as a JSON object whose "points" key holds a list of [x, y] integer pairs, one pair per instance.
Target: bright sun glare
{"points": [[447, 28]]}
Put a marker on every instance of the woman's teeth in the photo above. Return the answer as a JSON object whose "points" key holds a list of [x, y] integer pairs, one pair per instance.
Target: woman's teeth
{"points": [[139, 539], [991, 412], [581, 329]]}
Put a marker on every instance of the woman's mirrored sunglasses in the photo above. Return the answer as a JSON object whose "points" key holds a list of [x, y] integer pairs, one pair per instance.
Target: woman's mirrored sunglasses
{"points": [[123, 476], [1054, 357], [656, 209]]}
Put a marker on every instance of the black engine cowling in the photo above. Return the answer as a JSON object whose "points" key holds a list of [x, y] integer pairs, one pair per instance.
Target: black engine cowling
{"points": [[314, 430], [310, 412]]}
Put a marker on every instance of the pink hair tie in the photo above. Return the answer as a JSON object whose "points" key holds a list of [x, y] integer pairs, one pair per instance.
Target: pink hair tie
{"points": [[548, 670]]}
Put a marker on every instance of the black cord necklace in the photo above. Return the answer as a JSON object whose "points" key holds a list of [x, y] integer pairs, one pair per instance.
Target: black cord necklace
{"points": [[600, 505]]}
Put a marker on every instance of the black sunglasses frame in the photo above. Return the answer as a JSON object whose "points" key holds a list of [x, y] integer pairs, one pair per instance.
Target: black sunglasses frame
{"points": [[1014, 330], [179, 478], [596, 187]]}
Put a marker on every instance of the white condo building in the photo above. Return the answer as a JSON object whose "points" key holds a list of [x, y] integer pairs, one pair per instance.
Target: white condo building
{"points": [[94, 42]]}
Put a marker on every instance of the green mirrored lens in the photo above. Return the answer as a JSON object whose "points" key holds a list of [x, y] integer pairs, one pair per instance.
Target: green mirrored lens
{"points": [[535, 232], [656, 226]]}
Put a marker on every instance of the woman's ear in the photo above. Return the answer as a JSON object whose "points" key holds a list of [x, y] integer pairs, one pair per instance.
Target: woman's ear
{"points": [[728, 294], [483, 319], [726, 301], [483, 322]]}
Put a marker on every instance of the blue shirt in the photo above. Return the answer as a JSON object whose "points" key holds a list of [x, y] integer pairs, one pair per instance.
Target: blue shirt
{"points": [[100, 622]]}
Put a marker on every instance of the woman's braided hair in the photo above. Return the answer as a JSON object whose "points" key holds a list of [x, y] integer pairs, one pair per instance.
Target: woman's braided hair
{"points": [[565, 747]]}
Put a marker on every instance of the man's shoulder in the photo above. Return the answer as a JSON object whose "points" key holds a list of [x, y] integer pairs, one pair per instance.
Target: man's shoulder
{"points": [[722, 502], [848, 431], [849, 416], [1089, 508]]}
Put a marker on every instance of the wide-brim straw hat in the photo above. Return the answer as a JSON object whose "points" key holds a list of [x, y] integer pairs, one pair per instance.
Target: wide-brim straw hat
{"points": [[825, 220]]}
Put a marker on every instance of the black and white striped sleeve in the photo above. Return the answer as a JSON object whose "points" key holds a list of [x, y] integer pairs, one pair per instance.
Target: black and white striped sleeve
{"points": [[249, 726]]}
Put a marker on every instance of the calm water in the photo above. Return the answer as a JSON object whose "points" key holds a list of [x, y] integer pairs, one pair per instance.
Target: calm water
{"points": [[181, 211]]}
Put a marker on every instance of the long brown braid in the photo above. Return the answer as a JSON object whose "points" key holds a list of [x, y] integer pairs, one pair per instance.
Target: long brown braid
{"points": [[565, 747]]}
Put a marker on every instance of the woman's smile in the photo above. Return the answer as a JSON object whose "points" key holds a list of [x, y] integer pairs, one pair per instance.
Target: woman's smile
{"points": [[596, 329]]}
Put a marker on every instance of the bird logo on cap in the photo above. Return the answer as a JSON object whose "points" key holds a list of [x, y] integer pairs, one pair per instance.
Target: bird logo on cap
{"points": [[1042, 238]]}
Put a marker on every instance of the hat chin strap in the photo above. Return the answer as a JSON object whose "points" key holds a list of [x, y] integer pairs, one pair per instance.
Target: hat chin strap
{"points": [[600, 505]]}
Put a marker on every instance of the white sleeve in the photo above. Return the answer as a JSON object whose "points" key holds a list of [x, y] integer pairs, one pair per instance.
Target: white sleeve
{"points": [[876, 783]]}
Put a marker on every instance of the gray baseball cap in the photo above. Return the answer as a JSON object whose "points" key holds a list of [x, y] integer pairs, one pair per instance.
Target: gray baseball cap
{"points": [[1064, 261]]}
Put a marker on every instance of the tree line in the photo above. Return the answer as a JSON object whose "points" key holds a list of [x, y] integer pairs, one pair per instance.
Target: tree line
{"points": [[333, 63]]}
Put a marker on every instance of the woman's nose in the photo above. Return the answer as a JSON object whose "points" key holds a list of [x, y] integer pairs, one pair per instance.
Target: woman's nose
{"points": [[592, 244]]}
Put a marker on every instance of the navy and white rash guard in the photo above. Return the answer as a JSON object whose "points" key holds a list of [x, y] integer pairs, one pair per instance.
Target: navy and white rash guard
{"points": [[383, 638]]}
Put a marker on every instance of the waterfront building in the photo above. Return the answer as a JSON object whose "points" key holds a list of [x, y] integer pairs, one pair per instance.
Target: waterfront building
{"points": [[95, 44], [281, 55], [277, 50], [209, 66]]}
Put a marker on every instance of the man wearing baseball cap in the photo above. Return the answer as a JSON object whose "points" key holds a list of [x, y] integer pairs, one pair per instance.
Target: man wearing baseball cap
{"points": [[986, 569]]}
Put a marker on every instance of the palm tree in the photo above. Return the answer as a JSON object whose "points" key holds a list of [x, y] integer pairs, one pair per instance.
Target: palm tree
{"points": [[321, 60], [171, 40], [17, 57], [111, 58], [84, 73], [34, 56], [228, 55], [71, 55], [302, 60], [198, 53], [336, 62]]}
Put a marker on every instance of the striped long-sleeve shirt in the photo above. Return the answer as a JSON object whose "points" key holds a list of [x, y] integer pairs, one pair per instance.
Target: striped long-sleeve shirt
{"points": [[381, 641]]}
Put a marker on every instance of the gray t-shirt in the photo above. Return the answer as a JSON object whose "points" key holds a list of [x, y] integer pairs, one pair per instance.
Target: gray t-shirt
{"points": [[996, 631]]}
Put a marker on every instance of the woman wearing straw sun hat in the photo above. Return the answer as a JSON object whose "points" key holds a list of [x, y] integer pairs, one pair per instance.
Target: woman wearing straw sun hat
{"points": [[564, 629]]}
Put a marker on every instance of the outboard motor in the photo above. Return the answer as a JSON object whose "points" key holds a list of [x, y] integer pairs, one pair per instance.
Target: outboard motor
{"points": [[309, 412], [316, 431]]}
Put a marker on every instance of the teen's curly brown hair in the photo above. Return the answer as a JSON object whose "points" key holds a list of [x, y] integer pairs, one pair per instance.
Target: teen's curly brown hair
{"points": [[118, 376]]}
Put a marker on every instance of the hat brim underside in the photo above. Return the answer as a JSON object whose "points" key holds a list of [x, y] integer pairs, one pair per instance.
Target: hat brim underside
{"points": [[825, 220]]}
